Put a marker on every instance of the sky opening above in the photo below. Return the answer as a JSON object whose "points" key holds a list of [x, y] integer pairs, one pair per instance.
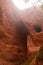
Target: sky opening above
{"points": [[22, 5]]}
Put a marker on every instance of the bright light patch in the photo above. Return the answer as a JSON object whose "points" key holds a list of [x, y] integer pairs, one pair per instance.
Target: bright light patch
{"points": [[22, 5]]}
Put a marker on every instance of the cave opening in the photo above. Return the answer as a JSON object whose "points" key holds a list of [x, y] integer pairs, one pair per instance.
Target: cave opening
{"points": [[37, 28]]}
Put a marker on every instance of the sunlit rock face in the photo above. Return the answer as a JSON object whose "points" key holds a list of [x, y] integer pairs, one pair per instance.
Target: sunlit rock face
{"points": [[14, 28], [35, 39]]}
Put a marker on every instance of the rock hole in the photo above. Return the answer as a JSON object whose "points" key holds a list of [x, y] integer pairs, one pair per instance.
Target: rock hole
{"points": [[37, 28]]}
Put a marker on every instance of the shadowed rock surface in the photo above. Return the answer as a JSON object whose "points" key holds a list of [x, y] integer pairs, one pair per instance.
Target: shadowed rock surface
{"points": [[13, 36], [19, 31]]}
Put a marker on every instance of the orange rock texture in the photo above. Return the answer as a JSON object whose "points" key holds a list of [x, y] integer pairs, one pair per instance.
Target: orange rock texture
{"points": [[21, 32], [13, 36]]}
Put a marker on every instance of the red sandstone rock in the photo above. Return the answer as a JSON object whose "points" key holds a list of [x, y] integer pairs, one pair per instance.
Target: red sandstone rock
{"points": [[13, 33]]}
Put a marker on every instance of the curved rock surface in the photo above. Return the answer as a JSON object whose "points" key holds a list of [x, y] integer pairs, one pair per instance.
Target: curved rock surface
{"points": [[20, 33]]}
